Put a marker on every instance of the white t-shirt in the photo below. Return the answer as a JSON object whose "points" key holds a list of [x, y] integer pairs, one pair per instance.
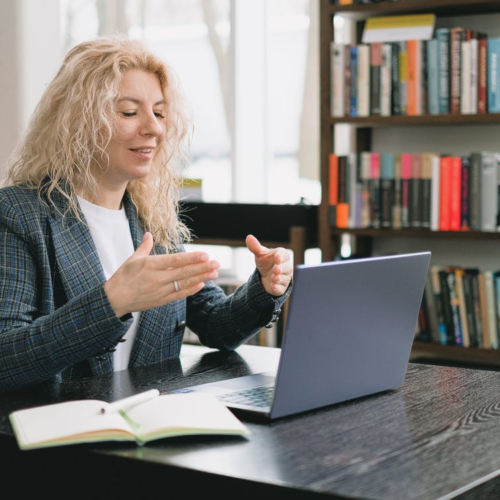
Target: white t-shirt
{"points": [[110, 231]]}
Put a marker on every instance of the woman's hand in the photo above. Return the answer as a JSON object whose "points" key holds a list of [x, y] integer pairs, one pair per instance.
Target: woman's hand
{"points": [[146, 281], [274, 266]]}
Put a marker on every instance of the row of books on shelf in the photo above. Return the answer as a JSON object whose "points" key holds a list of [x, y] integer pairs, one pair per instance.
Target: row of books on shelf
{"points": [[458, 72], [357, 2], [460, 306], [427, 191]]}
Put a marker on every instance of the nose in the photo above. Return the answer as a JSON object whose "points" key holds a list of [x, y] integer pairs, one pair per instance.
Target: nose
{"points": [[151, 126]]}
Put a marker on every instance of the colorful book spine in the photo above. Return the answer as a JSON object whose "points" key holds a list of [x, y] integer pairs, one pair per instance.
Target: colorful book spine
{"points": [[342, 211], [465, 200], [482, 71], [414, 77], [456, 193], [456, 38], [403, 78], [445, 193], [405, 189], [333, 173], [363, 80], [443, 38], [432, 77], [375, 77], [375, 208], [353, 88], [395, 86], [493, 75], [386, 189], [386, 80]]}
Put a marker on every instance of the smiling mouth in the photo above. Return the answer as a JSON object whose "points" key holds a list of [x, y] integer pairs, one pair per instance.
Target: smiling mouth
{"points": [[142, 150]]}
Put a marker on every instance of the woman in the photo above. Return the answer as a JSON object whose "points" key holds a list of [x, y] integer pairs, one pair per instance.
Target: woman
{"points": [[93, 274]]}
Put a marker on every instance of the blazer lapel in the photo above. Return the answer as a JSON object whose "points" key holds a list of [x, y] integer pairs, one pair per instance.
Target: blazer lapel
{"points": [[148, 335], [76, 255]]}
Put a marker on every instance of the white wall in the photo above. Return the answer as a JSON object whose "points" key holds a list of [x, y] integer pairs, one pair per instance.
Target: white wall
{"points": [[30, 54]]}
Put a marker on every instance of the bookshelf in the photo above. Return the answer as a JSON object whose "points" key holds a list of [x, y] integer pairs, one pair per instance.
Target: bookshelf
{"points": [[366, 132]]}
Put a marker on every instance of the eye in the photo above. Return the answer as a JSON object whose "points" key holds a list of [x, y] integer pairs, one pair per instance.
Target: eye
{"points": [[158, 114], [128, 113]]}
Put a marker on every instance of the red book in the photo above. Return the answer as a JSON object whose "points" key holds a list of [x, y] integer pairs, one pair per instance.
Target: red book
{"points": [[456, 194], [333, 180], [445, 193], [413, 82], [342, 215]]}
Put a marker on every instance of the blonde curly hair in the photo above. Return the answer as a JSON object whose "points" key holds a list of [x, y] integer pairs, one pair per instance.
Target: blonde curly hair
{"points": [[73, 124]]}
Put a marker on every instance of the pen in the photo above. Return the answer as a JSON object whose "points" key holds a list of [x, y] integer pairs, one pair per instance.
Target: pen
{"points": [[124, 404]]}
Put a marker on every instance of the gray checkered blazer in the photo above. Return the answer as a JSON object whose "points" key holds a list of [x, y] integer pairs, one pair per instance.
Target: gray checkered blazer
{"points": [[55, 319]]}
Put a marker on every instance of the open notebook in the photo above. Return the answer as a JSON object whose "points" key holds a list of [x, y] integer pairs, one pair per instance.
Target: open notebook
{"points": [[349, 333]]}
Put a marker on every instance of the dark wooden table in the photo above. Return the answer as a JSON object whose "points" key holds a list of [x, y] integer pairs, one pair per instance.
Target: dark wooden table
{"points": [[437, 437]]}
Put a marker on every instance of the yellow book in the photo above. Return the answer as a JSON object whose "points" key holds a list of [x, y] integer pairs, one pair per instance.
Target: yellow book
{"points": [[141, 418]]}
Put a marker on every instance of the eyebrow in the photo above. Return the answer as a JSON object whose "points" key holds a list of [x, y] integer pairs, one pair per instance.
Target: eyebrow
{"points": [[138, 101]]}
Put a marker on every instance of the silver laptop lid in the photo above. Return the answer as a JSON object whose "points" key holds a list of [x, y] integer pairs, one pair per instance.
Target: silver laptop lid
{"points": [[349, 331]]}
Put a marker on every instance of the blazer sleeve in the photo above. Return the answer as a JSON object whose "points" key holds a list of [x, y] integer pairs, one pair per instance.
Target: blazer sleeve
{"points": [[37, 340], [225, 322]]}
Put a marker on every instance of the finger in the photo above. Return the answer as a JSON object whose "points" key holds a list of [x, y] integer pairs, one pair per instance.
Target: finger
{"points": [[253, 244], [179, 260], [144, 249]]}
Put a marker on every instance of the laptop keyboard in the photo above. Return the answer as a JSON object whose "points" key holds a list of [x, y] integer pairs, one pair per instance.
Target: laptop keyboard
{"points": [[257, 396]]}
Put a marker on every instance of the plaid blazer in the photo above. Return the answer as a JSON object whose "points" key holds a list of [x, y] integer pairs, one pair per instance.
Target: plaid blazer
{"points": [[55, 319]]}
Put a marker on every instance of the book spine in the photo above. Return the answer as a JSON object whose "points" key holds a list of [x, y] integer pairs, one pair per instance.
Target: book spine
{"points": [[474, 191], [403, 78], [456, 38], [347, 79], [375, 77], [405, 189], [375, 212], [473, 276], [493, 75], [342, 200], [443, 38], [352, 167], [482, 79], [438, 300], [432, 77], [474, 68], [416, 191], [353, 90], [460, 301], [445, 193], [386, 189], [465, 199], [491, 307], [333, 173], [337, 79], [395, 85], [426, 191], [435, 193], [483, 301], [386, 80], [363, 80], [396, 208], [489, 192], [365, 180], [413, 85], [465, 75], [456, 193]]}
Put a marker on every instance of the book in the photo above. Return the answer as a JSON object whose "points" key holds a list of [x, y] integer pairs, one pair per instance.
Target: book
{"points": [[375, 186], [443, 38], [342, 211], [435, 283], [491, 308], [363, 80], [465, 199], [353, 78], [365, 181], [432, 77], [436, 160], [413, 93], [416, 190], [445, 175], [474, 68], [337, 79], [405, 190], [396, 207], [465, 75], [375, 77], [426, 190], [493, 72], [457, 35], [483, 304], [403, 77], [488, 192], [482, 69], [333, 190], [395, 96], [455, 193], [386, 80], [141, 418], [386, 189]]}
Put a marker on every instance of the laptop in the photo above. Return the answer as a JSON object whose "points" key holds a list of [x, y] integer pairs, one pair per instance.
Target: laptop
{"points": [[349, 333]]}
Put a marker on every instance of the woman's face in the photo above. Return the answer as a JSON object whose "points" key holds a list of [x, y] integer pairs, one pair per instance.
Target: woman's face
{"points": [[140, 126]]}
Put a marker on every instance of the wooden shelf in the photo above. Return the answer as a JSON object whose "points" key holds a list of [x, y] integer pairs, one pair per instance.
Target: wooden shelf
{"points": [[455, 354], [438, 7], [416, 233], [422, 120]]}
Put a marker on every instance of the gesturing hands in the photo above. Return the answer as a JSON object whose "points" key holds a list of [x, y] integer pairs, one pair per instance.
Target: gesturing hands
{"points": [[274, 265], [146, 281]]}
